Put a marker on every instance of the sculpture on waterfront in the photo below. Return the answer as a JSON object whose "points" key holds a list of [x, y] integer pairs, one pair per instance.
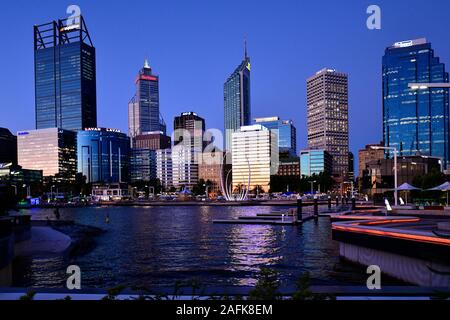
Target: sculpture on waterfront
{"points": [[227, 187]]}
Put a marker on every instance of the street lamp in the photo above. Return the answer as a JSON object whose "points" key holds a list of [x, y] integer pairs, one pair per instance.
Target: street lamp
{"points": [[395, 168], [207, 191]]}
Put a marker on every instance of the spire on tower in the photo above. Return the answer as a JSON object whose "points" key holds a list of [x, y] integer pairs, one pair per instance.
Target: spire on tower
{"points": [[245, 47], [146, 64]]}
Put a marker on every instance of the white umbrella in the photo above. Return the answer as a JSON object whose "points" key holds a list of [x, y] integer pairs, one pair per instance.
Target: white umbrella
{"points": [[406, 187], [443, 187]]}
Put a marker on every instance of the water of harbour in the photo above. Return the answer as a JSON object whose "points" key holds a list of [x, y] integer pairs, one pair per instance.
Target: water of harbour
{"points": [[157, 246]]}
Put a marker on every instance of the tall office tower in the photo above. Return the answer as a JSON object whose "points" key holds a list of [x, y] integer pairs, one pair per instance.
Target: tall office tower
{"points": [[416, 122], [164, 167], [143, 109], [327, 99], [286, 132], [255, 157], [65, 75], [51, 150], [8, 147], [237, 107], [103, 155], [189, 130]]}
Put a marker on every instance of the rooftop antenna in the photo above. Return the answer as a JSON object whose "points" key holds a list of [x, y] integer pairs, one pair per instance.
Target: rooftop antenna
{"points": [[245, 47], [146, 64]]}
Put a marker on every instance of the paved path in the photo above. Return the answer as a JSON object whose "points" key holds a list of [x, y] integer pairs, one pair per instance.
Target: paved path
{"points": [[44, 241]]}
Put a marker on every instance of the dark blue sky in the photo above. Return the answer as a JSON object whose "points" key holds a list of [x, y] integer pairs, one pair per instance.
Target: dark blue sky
{"points": [[194, 45]]}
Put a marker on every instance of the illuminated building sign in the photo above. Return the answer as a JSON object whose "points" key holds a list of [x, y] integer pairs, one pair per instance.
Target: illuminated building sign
{"points": [[103, 129], [70, 28], [148, 78]]}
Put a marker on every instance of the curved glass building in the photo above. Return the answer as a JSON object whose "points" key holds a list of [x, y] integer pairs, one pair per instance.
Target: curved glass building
{"points": [[103, 155]]}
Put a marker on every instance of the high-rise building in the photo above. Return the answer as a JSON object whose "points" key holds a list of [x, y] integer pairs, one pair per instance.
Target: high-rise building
{"points": [[51, 150], [143, 155], [315, 162], [189, 131], [103, 155], [164, 167], [286, 132], [237, 107], [143, 109], [8, 147], [184, 167], [255, 157], [416, 122], [368, 154], [327, 95], [65, 75]]}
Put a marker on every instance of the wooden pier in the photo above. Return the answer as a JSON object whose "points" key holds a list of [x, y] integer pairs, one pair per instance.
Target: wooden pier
{"points": [[290, 217]]}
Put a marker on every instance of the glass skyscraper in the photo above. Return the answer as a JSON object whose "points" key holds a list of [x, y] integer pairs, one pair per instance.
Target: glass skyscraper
{"points": [[51, 150], [315, 162], [286, 132], [327, 100], [65, 76], [143, 109], [103, 155], [416, 122], [237, 100]]}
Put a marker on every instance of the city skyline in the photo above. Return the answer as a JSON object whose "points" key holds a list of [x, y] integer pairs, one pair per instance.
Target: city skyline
{"points": [[262, 57]]}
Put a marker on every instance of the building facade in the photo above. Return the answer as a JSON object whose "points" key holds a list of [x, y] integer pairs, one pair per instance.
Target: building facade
{"points": [[415, 122], [143, 109], [8, 147], [255, 157], [237, 102], [211, 168], [286, 132], [103, 155], [368, 154], [164, 171], [152, 141], [289, 167], [143, 155], [65, 76], [351, 166], [315, 162], [51, 150], [142, 165], [378, 176], [327, 100]]}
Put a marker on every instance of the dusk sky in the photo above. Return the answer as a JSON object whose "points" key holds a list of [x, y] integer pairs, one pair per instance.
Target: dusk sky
{"points": [[195, 45]]}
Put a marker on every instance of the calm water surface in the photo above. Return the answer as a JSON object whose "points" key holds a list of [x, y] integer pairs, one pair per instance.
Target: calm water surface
{"points": [[158, 246]]}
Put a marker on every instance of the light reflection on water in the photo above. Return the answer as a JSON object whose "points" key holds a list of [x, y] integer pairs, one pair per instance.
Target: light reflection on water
{"points": [[157, 246]]}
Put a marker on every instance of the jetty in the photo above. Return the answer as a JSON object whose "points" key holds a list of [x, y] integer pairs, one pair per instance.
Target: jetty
{"points": [[293, 216]]}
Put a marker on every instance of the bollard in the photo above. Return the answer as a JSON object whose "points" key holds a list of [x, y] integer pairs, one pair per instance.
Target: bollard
{"points": [[329, 203], [299, 210], [337, 201], [353, 203], [316, 207]]}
